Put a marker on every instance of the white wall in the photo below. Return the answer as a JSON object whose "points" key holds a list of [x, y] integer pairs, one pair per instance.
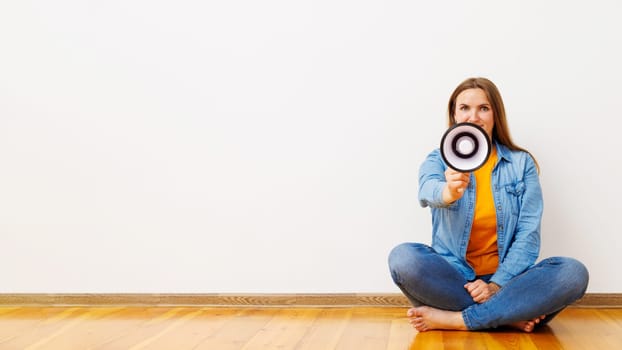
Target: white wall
{"points": [[273, 146]]}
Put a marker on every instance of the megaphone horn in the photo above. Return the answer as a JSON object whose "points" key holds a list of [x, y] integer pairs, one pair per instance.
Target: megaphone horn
{"points": [[465, 147]]}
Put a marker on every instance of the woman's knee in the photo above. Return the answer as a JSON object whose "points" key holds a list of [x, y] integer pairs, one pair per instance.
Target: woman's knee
{"points": [[579, 272], [573, 275], [405, 258]]}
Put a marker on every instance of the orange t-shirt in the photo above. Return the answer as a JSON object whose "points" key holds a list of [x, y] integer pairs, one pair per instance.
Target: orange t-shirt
{"points": [[482, 252]]}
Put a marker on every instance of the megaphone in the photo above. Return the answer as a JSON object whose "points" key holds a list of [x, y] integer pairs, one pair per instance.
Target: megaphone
{"points": [[465, 147]]}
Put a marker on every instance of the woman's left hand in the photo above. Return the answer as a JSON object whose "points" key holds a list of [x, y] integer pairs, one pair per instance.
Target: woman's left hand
{"points": [[481, 291]]}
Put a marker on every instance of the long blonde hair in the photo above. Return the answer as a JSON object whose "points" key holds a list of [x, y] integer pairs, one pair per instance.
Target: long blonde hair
{"points": [[500, 130]]}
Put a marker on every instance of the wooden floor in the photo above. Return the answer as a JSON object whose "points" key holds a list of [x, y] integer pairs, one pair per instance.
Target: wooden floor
{"points": [[276, 328]]}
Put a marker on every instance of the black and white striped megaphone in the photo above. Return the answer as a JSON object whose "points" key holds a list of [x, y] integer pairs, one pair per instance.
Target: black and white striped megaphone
{"points": [[465, 147]]}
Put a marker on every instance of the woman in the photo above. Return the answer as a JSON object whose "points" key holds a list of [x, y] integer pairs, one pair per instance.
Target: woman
{"points": [[479, 272]]}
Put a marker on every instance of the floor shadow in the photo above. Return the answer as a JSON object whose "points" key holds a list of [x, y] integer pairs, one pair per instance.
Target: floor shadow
{"points": [[502, 338]]}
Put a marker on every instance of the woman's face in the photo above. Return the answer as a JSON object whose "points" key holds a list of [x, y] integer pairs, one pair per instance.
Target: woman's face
{"points": [[473, 106]]}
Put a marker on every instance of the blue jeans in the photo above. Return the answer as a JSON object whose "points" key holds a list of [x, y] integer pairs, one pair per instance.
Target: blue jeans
{"points": [[546, 288]]}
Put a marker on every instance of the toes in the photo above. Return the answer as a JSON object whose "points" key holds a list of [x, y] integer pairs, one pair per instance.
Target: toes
{"points": [[421, 327], [418, 323]]}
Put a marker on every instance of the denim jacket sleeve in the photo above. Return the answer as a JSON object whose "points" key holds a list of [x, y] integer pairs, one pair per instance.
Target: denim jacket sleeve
{"points": [[521, 240], [432, 181]]}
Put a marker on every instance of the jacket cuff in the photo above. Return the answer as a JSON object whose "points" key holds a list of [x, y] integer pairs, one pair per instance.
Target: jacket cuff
{"points": [[438, 195], [501, 278]]}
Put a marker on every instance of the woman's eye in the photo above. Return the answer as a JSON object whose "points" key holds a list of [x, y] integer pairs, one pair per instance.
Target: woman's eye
{"points": [[485, 109], [464, 108]]}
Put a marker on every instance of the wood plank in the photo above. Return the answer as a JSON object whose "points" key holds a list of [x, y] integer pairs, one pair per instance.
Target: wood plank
{"points": [[47, 323], [174, 324], [401, 332], [56, 341], [235, 333], [368, 329], [327, 330], [96, 326], [284, 331], [196, 330], [568, 327], [143, 327], [544, 338], [14, 322]]}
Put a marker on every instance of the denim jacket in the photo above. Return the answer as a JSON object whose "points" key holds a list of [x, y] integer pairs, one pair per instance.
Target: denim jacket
{"points": [[518, 201]]}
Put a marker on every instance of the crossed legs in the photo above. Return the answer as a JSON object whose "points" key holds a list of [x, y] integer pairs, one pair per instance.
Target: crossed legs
{"points": [[436, 290]]}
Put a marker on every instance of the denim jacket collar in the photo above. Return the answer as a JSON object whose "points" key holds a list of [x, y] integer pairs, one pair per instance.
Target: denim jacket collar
{"points": [[503, 153]]}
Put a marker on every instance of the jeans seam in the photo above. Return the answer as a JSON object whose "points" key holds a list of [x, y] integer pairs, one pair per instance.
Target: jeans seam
{"points": [[466, 319]]}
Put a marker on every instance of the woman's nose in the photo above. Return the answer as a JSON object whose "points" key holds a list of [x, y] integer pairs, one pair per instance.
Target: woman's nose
{"points": [[473, 117]]}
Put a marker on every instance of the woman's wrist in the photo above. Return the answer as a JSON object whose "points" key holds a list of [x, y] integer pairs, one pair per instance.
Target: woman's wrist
{"points": [[447, 197]]}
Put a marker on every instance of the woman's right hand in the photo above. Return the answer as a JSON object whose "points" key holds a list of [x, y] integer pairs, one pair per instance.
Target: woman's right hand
{"points": [[457, 183]]}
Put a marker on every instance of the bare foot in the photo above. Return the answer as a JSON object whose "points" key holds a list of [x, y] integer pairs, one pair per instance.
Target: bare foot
{"points": [[527, 326], [425, 318]]}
